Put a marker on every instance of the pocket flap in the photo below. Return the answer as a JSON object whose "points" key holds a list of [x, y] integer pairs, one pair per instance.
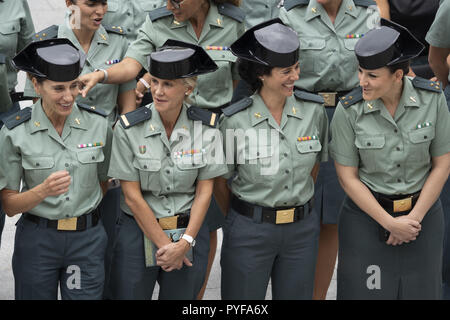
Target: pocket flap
{"points": [[350, 43], [147, 5], [221, 55], [422, 135], [312, 43], [308, 146], [370, 142], [36, 163], [147, 164], [91, 156], [195, 161], [9, 27], [259, 152]]}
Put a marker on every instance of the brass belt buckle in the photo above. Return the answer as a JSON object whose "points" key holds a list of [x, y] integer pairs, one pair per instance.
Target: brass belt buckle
{"points": [[285, 216], [168, 223], [329, 98], [402, 204], [69, 224]]}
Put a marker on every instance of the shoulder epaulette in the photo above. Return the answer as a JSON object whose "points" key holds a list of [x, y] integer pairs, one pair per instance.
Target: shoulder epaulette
{"points": [[426, 84], [365, 3], [134, 117], [303, 95], [289, 4], [208, 118], [114, 29], [230, 10], [2, 58], [93, 109], [17, 118], [48, 33], [237, 106], [352, 97], [159, 13]]}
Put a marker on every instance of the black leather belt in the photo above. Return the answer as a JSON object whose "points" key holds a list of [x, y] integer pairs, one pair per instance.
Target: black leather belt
{"points": [[80, 223], [397, 205], [180, 220], [279, 215]]}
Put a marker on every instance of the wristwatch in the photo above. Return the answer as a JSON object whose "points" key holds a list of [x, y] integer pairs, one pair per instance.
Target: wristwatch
{"points": [[189, 239]]}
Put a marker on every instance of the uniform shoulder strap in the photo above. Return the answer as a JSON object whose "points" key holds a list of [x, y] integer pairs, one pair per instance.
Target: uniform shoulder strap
{"points": [[17, 118], [238, 106], [352, 97], [230, 10], [92, 109], [426, 84], [365, 3], [114, 29], [208, 118], [290, 4], [134, 117], [306, 96], [48, 33], [159, 13]]}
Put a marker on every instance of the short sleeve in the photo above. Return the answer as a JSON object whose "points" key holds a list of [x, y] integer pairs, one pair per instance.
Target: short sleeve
{"points": [[228, 145], [441, 142], [215, 159], [121, 163], [439, 33], [143, 45], [323, 129], [10, 162], [26, 28], [342, 146]]}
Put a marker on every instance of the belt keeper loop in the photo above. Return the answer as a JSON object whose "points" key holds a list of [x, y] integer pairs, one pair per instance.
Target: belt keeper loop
{"points": [[257, 214]]}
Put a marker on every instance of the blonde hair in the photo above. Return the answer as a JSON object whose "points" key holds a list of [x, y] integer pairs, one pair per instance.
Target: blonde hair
{"points": [[189, 83]]}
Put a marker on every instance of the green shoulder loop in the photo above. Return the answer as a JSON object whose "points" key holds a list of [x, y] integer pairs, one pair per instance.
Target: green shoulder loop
{"points": [[159, 13], [352, 97], [230, 10], [306, 96], [114, 29], [426, 84], [134, 117], [365, 3], [17, 118], [208, 118], [238, 106], [92, 109], [48, 33], [289, 4]]}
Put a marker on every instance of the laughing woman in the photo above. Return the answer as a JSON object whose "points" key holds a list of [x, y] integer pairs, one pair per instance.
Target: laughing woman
{"points": [[390, 143], [167, 182], [60, 150]]}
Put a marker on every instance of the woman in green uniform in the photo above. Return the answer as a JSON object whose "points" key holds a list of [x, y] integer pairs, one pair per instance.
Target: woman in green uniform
{"points": [[16, 29], [328, 31], [163, 160], [392, 154], [211, 24], [278, 135], [60, 151]]}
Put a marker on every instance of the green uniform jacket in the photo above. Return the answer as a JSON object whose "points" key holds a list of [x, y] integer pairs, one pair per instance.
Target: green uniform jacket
{"points": [[327, 57], [273, 164], [259, 11], [393, 155], [213, 89], [32, 150], [142, 152]]}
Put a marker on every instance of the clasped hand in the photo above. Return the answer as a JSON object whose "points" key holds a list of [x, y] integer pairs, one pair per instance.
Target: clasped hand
{"points": [[173, 255]]}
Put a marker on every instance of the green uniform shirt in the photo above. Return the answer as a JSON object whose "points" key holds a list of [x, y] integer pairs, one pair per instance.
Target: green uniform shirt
{"points": [[106, 47], [213, 89], [439, 33], [259, 11], [33, 150], [327, 58], [16, 31], [393, 156], [5, 100], [274, 170], [129, 15], [168, 180]]}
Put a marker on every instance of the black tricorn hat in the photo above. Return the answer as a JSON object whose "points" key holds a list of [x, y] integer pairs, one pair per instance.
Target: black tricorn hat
{"points": [[387, 45], [270, 43], [54, 59], [178, 59]]}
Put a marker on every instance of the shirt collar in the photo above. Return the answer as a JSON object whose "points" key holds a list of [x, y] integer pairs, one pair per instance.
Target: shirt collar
{"points": [[292, 109]]}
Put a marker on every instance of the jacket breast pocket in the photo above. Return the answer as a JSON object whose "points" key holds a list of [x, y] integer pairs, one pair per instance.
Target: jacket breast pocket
{"points": [[222, 77], [187, 170], [261, 163], [87, 173], [370, 151], [149, 171], [9, 31], [419, 146], [37, 169], [310, 48], [307, 154]]}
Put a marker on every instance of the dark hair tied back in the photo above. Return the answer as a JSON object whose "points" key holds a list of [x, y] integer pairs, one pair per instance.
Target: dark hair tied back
{"points": [[251, 71]]}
